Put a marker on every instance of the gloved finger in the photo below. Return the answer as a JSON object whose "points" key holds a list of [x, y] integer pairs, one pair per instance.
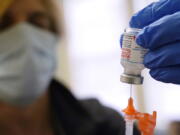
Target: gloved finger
{"points": [[163, 57], [154, 12], [167, 74], [121, 40], [164, 31]]}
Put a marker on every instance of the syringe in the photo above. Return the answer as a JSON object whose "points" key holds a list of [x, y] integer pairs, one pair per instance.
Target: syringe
{"points": [[129, 119], [130, 113], [146, 122], [129, 126]]}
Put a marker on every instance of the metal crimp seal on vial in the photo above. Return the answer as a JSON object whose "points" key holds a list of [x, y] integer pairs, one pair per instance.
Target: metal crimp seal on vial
{"points": [[130, 79]]}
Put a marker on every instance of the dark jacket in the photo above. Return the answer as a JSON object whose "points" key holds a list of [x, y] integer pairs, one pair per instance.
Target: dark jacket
{"points": [[82, 117]]}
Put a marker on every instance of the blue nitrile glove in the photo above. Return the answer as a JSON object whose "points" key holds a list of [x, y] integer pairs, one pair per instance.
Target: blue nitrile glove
{"points": [[160, 23]]}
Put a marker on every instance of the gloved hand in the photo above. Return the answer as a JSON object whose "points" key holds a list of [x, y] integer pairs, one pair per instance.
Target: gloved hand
{"points": [[160, 24]]}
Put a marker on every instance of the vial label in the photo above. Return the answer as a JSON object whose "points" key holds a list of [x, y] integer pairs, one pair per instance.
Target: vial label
{"points": [[132, 52]]}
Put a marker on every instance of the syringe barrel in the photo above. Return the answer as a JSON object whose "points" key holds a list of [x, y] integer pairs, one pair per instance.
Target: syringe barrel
{"points": [[129, 126]]}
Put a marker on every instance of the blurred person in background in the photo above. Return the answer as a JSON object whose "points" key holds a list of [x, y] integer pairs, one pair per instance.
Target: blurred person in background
{"points": [[32, 102]]}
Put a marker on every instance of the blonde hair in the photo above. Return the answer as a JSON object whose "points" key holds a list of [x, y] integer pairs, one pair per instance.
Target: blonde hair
{"points": [[54, 10], [4, 4]]}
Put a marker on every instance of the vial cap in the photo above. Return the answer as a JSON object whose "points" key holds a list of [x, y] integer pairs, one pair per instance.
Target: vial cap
{"points": [[131, 79]]}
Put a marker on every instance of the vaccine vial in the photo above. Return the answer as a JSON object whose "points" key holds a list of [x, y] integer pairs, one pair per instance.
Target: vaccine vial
{"points": [[132, 57]]}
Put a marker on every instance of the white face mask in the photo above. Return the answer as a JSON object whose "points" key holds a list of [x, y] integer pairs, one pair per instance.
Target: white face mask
{"points": [[27, 63]]}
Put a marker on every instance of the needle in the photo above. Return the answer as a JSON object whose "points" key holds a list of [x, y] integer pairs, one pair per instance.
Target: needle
{"points": [[131, 90]]}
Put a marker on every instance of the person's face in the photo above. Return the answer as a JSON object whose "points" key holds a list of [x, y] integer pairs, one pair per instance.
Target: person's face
{"points": [[31, 11]]}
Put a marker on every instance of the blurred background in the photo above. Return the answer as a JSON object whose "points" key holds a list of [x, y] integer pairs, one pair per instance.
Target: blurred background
{"points": [[89, 59]]}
